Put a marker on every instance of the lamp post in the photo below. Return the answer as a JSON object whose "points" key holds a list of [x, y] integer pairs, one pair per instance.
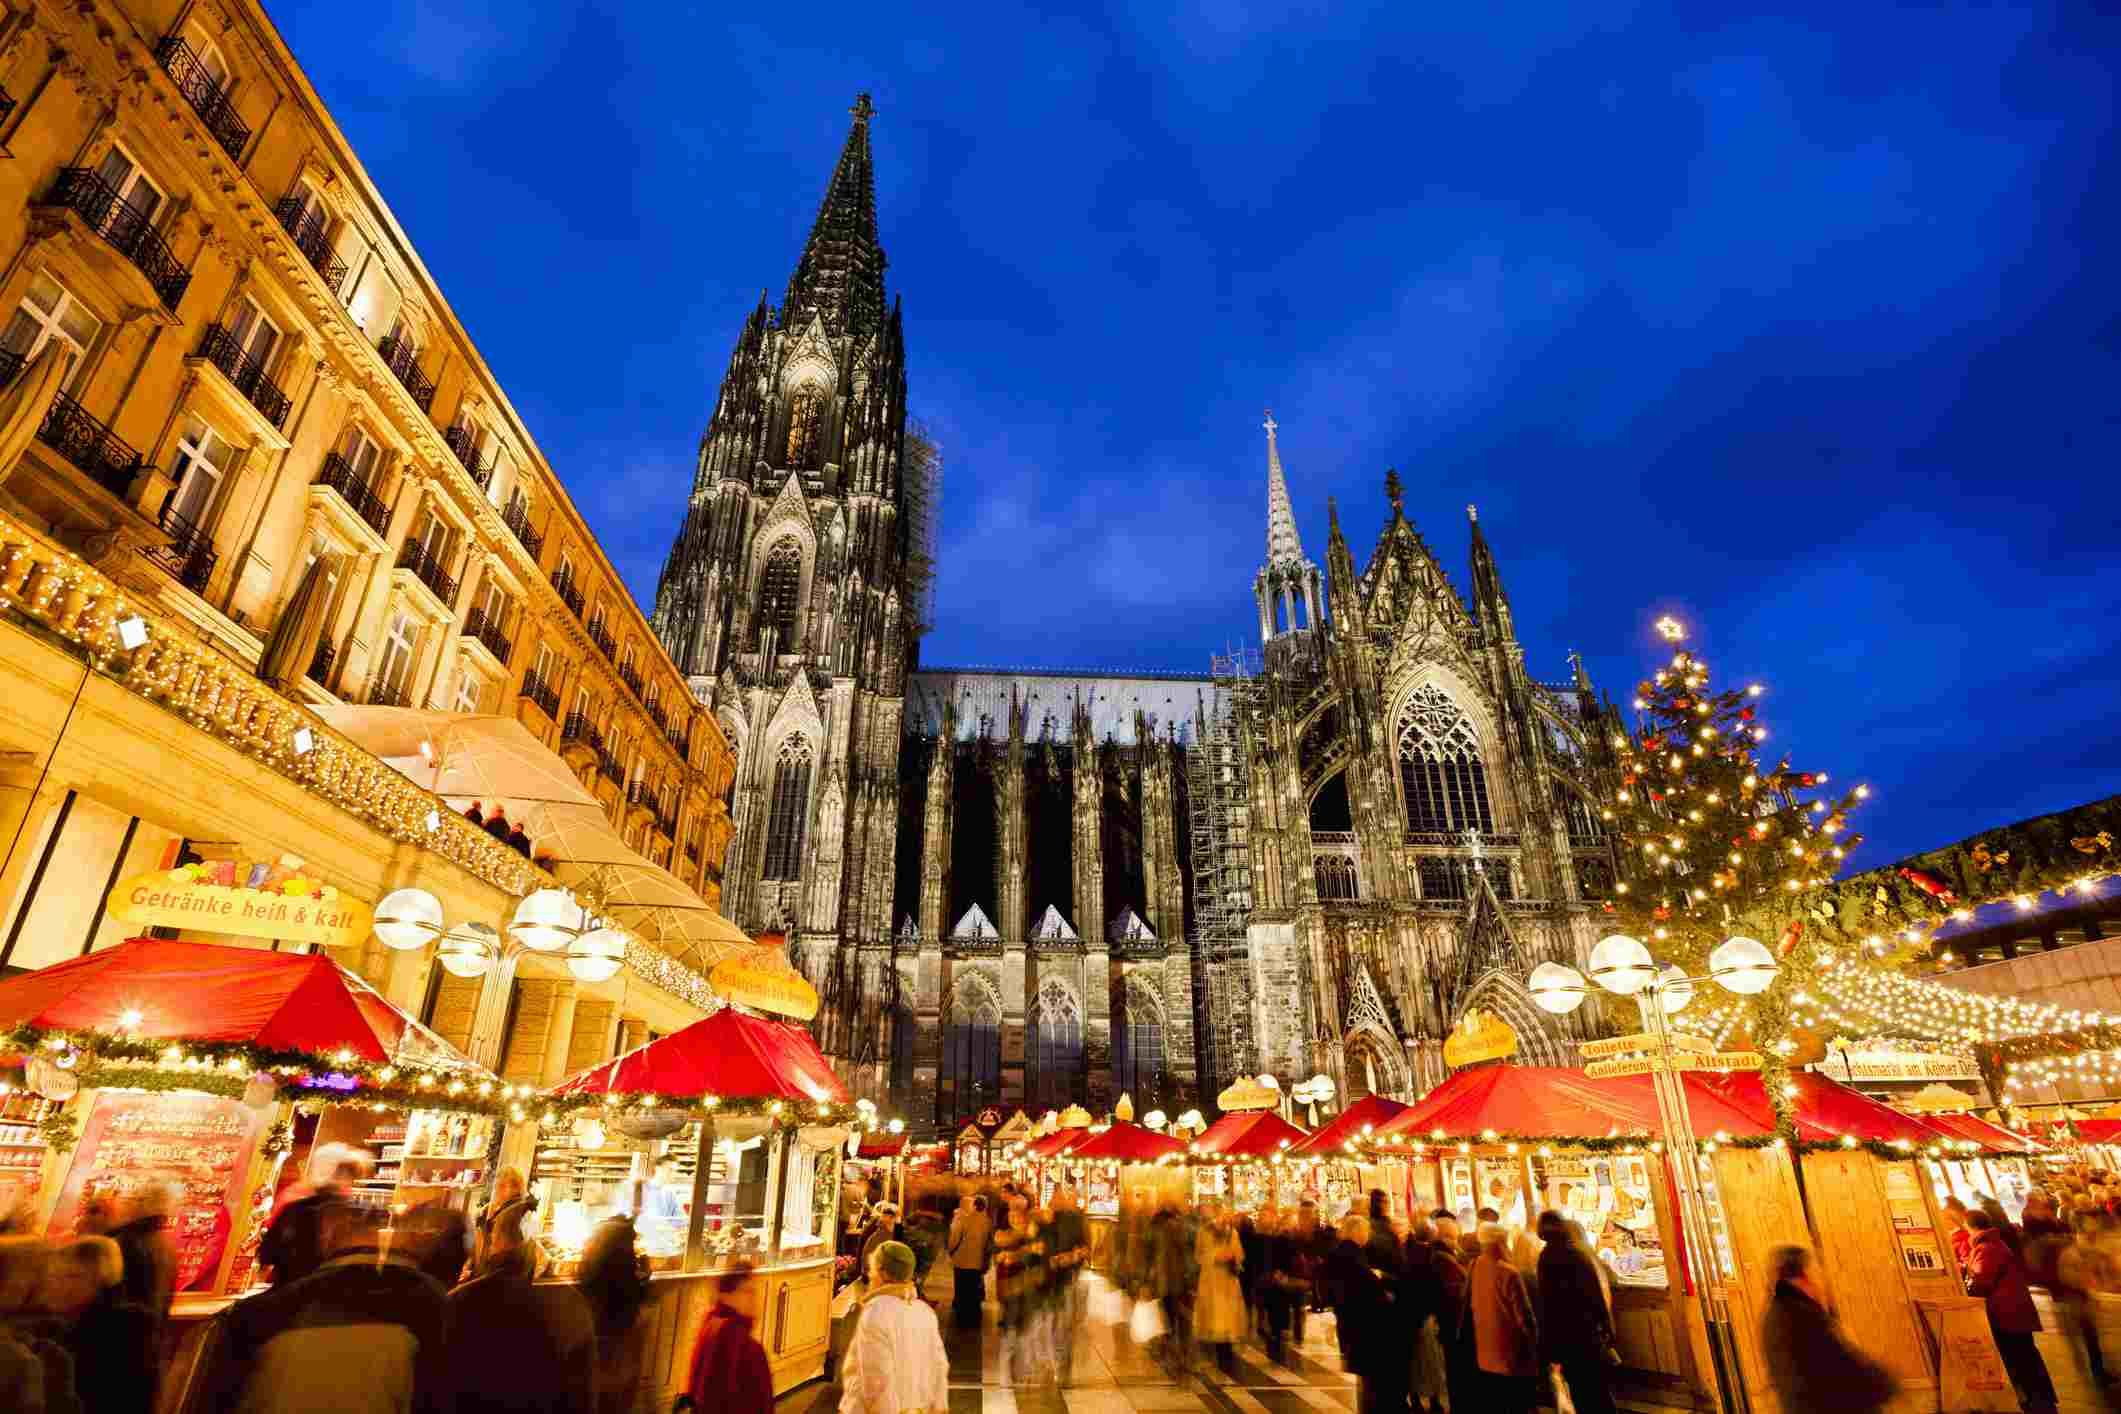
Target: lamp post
{"points": [[1623, 966]]}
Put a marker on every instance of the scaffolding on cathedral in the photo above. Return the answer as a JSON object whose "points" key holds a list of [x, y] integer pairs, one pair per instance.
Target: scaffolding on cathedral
{"points": [[1218, 771]]}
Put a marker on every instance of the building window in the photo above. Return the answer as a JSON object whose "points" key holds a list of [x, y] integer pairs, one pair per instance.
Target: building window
{"points": [[202, 460], [1440, 770], [806, 430], [1138, 1048], [471, 692], [256, 337], [1056, 1059], [902, 1028], [547, 666], [141, 196], [972, 1055], [790, 804], [401, 644], [1581, 819], [494, 608], [1335, 876], [49, 312], [362, 455], [780, 590], [1594, 877], [1441, 878]]}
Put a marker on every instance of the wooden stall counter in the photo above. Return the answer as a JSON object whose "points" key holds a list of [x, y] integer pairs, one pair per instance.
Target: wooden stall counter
{"points": [[794, 1326]]}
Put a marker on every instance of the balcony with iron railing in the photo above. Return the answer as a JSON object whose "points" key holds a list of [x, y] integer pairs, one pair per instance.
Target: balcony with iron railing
{"points": [[414, 555], [601, 637], [123, 226], [631, 676], [464, 442], [85, 441], [660, 717], [640, 793], [675, 735], [220, 349], [517, 519], [666, 819], [7, 105], [339, 476], [320, 662], [543, 693], [608, 766], [204, 93], [491, 637], [580, 728], [311, 234], [190, 555], [385, 695], [692, 850], [563, 585], [403, 360], [1579, 839]]}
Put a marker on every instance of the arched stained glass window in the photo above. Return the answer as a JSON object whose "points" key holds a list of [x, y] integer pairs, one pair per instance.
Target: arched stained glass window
{"points": [[1440, 770], [781, 590], [1138, 1048], [787, 811], [972, 1053], [1056, 1059]]}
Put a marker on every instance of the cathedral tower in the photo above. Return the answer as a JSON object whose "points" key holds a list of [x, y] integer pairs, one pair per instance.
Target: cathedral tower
{"points": [[786, 599]]}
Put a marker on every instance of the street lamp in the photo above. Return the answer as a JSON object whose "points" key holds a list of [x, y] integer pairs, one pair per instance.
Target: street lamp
{"points": [[1622, 965]]}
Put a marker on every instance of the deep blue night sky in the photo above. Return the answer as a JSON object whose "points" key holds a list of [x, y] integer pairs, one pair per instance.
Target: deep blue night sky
{"points": [[1801, 326]]}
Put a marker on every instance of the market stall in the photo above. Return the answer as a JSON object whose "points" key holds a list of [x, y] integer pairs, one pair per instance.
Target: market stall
{"points": [[723, 1141], [207, 1065], [1339, 1169], [1242, 1160], [1041, 1161], [1123, 1170]]}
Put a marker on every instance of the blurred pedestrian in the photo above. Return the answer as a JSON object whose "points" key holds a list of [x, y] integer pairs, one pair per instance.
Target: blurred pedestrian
{"points": [[150, 1258], [1575, 1326], [367, 1325], [508, 1188], [1421, 1301], [1454, 1323], [1995, 1273], [437, 1236], [729, 1370], [896, 1363], [1362, 1316], [1811, 1364], [34, 1366], [514, 1346], [613, 1279], [1171, 1285], [1505, 1332], [1067, 1252], [293, 1244], [883, 1228], [111, 1339], [970, 1232], [1219, 1302]]}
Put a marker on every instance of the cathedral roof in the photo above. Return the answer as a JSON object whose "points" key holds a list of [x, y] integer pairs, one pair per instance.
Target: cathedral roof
{"points": [[981, 700], [975, 924], [1129, 928], [840, 275], [1052, 928]]}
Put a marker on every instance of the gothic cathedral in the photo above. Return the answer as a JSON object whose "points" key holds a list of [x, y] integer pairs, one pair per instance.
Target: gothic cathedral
{"points": [[1038, 887]]}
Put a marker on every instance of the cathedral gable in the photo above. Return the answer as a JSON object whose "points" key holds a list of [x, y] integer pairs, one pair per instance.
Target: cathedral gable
{"points": [[797, 713]]}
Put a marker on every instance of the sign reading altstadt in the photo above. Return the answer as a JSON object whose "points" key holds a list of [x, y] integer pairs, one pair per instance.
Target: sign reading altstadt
{"points": [[249, 900]]}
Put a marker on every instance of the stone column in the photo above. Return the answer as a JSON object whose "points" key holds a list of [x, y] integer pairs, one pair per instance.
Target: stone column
{"points": [[1163, 893], [1009, 832], [1087, 809], [935, 835]]}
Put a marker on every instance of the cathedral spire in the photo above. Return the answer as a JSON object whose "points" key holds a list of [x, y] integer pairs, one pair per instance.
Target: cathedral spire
{"points": [[840, 276], [1283, 546], [1489, 601]]}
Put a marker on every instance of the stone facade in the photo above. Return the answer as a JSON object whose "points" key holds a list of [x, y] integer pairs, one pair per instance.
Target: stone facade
{"points": [[1036, 887]]}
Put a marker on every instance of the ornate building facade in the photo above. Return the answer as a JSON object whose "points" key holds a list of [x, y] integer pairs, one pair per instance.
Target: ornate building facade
{"points": [[1038, 887]]}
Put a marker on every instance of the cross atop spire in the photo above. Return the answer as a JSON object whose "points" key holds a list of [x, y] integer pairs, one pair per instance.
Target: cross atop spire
{"points": [[1283, 546], [863, 110], [1394, 492]]}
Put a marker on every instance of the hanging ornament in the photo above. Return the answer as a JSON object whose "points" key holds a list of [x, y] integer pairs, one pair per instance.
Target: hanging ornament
{"points": [[1790, 935], [1929, 883]]}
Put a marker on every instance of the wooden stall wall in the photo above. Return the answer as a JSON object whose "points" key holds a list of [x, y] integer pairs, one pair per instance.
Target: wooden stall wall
{"points": [[1762, 1211]]}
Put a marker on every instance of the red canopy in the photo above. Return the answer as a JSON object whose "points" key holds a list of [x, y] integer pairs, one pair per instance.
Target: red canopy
{"points": [[1823, 1110], [1992, 1137], [1060, 1141], [212, 992], [2099, 1131], [1128, 1143], [729, 1055], [1547, 1102], [881, 1146], [1248, 1134], [1373, 1111]]}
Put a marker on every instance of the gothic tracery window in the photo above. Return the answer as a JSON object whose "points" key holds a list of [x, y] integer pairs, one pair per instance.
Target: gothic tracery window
{"points": [[806, 429], [789, 804], [1335, 876], [972, 1052], [1056, 1047], [1138, 1048], [1440, 768], [781, 590], [1583, 824]]}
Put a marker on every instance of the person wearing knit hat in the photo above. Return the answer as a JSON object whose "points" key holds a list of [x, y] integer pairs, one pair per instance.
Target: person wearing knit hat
{"points": [[896, 1363]]}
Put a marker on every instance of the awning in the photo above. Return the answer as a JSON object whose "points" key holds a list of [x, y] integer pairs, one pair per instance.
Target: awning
{"points": [[1127, 1143], [1545, 1102], [211, 993], [1992, 1137], [1060, 1141], [1249, 1134], [2099, 1131], [1371, 1111], [729, 1055], [881, 1146]]}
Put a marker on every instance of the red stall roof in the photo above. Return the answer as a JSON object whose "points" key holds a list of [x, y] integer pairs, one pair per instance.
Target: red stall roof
{"points": [[2099, 1131], [729, 1055], [164, 990], [1060, 1141], [1546, 1102], [1372, 1110], [881, 1146], [1823, 1109], [1128, 1143], [1248, 1134], [1992, 1137]]}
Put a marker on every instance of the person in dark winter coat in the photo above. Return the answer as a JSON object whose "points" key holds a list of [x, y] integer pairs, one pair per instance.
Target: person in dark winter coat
{"points": [[614, 1281], [1811, 1364], [516, 1347], [369, 1327], [150, 1280], [439, 1238], [1421, 1298], [1370, 1345], [293, 1244], [111, 1339], [1575, 1327], [1996, 1274], [1454, 1325], [729, 1370]]}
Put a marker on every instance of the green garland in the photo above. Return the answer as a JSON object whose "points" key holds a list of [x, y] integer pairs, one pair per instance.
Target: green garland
{"points": [[1641, 1144]]}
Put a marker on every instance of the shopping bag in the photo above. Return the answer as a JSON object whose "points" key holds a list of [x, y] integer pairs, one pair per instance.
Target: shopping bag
{"points": [[1148, 1322], [1108, 1305], [1562, 1403]]}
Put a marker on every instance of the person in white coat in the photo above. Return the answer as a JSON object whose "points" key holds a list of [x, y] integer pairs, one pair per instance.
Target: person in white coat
{"points": [[896, 1363]]}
